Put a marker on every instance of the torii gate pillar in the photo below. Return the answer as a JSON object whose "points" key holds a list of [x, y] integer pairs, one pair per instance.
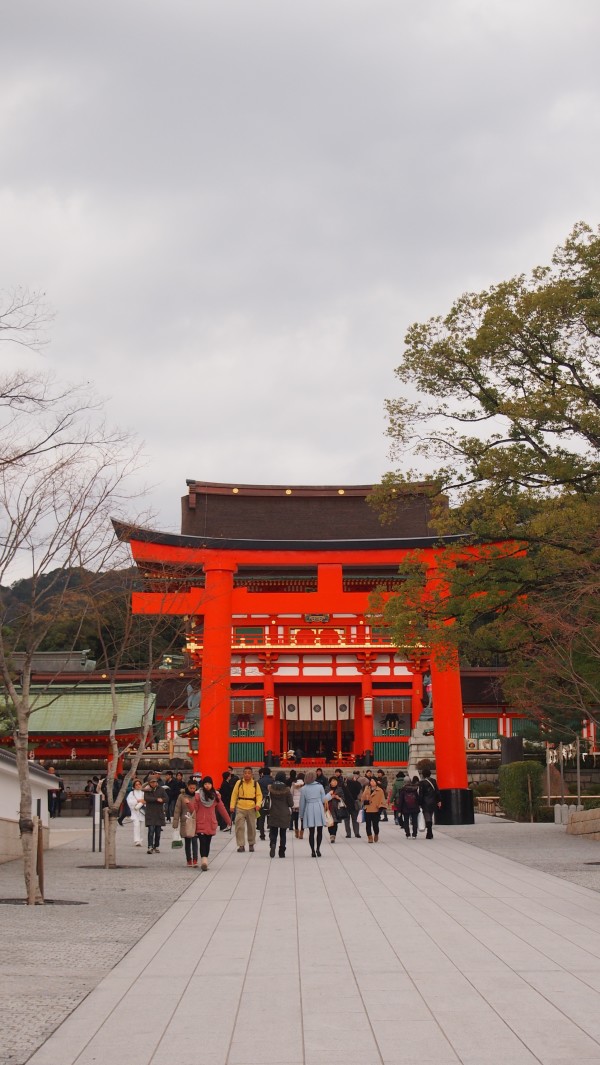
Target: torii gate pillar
{"points": [[450, 753], [213, 747]]}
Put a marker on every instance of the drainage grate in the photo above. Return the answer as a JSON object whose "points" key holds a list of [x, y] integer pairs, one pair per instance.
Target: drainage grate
{"points": [[47, 902], [102, 868]]}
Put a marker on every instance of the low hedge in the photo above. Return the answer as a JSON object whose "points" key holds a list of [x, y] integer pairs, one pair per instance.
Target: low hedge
{"points": [[516, 782]]}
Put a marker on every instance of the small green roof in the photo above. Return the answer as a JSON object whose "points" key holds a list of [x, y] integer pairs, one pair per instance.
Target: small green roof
{"points": [[87, 709]]}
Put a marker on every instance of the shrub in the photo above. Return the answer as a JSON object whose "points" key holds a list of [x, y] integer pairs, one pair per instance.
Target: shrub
{"points": [[514, 789], [545, 815], [425, 763], [484, 787]]}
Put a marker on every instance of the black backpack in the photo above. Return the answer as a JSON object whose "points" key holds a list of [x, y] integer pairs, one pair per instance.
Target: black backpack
{"points": [[410, 801]]}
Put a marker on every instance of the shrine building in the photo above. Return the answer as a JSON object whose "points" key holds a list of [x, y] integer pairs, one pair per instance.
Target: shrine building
{"points": [[274, 583]]}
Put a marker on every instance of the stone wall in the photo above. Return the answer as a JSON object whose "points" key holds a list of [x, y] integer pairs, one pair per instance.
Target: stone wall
{"points": [[10, 840], [585, 823]]}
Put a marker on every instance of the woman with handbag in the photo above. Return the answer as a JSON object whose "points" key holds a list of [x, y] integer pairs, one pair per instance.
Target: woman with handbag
{"points": [[135, 802], [208, 802], [312, 812], [372, 800], [184, 821], [336, 805]]}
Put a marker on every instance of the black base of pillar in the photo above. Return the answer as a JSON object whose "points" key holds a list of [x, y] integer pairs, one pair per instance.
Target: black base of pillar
{"points": [[457, 807]]}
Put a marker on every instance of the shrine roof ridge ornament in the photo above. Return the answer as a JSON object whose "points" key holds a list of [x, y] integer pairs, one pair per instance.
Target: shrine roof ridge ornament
{"points": [[310, 490], [127, 532]]}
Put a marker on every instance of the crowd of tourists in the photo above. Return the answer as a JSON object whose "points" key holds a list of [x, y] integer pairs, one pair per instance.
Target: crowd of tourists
{"points": [[296, 802]]}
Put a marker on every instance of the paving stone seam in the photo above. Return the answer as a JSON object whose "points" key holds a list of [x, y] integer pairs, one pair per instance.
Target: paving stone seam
{"points": [[567, 1017], [465, 976], [339, 858], [513, 905], [298, 951], [251, 948], [548, 875]]}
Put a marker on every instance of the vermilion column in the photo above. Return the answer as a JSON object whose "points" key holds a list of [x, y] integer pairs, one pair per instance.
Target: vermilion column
{"points": [[271, 731], [448, 724], [416, 699], [367, 702], [215, 704]]}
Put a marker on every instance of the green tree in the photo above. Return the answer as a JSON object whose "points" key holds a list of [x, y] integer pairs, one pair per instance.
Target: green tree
{"points": [[502, 398]]}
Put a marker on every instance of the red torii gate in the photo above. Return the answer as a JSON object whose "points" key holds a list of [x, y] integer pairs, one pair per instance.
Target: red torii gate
{"points": [[216, 560]]}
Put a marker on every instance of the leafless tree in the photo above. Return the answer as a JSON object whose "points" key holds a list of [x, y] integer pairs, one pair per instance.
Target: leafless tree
{"points": [[63, 474]]}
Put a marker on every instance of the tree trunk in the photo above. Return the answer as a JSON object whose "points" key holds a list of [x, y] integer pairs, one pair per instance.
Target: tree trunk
{"points": [[110, 838], [32, 891]]}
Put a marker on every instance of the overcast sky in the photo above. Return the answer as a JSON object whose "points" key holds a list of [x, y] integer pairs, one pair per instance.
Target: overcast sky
{"points": [[236, 209]]}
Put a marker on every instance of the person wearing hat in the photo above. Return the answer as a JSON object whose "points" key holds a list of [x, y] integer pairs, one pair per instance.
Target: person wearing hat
{"points": [[354, 789]]}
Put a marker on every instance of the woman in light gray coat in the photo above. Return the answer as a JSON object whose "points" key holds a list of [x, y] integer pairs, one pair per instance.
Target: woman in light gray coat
{"points": [[312, 812]]}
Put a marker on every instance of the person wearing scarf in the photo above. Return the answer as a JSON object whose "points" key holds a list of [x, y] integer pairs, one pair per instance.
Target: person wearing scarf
{"points": [[208, 803]]}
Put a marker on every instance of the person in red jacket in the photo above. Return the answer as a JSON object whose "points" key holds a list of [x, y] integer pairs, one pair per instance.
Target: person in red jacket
{"points": [[208, 803]]}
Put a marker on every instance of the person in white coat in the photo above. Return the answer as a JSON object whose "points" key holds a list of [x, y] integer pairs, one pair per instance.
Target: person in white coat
{"points": [[136, 801]]}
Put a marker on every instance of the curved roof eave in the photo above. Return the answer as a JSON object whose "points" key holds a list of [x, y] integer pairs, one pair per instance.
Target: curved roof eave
{"points": [[127, 532]]}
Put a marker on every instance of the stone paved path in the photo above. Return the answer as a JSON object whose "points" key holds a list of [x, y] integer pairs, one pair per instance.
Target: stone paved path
{"points": [[53, 956], [401, 952]]}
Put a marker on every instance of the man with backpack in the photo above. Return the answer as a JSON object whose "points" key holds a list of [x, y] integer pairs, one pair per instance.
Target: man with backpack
{"points": [[246, 801], [265, 779], [409, 806]]}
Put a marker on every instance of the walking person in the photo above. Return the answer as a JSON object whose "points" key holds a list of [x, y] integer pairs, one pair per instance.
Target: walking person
{"points": [[312, 812], [295, 822], [382, 780], [281, 802], [409, 806], [136, 801], [265, 779], [208, 805], [336, 804], [246, 801], [354, 789], [175, 787], [429, 798], [154, 813], [395, 798], [228, 783], [372, 800], [184, 821]]}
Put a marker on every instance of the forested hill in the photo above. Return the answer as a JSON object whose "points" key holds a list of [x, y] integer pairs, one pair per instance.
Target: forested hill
{"points": [[74, 607]]}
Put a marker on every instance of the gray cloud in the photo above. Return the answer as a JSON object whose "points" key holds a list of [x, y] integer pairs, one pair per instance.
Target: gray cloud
{"points": [[236, 210]]}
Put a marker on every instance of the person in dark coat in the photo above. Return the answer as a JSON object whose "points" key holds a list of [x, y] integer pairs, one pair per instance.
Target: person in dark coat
{"points": [[409, 806], [354, 789], [430, 799], [265, 780], [382, 780], [227, 785], [321, 779], [156, 799], [281, 803]]}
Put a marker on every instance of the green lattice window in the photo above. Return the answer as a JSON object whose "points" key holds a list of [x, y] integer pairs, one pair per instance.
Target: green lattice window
{"points": [[390, 752], [521, 725], [251, 752], [483, 728]]}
